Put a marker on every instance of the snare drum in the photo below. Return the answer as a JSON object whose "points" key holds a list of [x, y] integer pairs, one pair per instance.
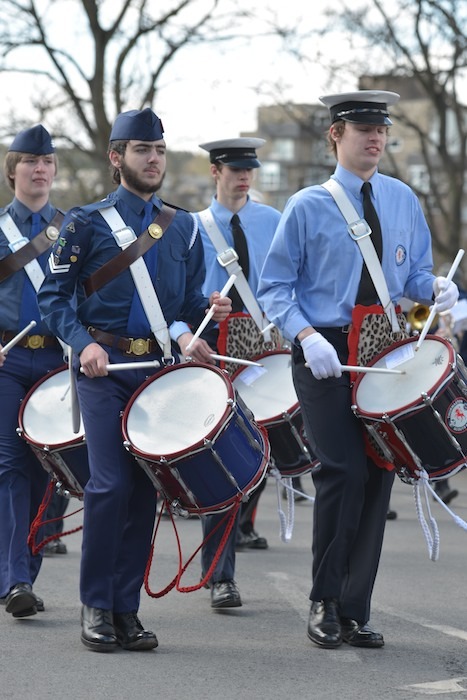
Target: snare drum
{"points": [[190, 432], [418, 419], [270, 394], [45, 423]]}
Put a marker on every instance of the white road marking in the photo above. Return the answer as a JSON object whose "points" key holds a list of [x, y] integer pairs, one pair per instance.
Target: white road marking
{"points": [[299, 601], [439, 687]]}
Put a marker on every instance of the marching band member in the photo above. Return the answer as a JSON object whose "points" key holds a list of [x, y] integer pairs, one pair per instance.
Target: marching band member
{"points": [[28, 228], [233, 163], [311, 281], [98, 305]]}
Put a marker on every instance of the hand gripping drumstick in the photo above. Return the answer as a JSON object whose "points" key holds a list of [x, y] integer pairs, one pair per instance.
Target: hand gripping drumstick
{"points": [[432, 314], [18, 337], [211, 311]]}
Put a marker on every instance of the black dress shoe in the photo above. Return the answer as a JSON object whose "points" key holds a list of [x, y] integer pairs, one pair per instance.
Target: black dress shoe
{"points": [[97, 629], [21, 601], [250, 540], [391, 514], [131, 633], [29, 611], [225, 594], [360, 635], [324, 627], [54, 547]]}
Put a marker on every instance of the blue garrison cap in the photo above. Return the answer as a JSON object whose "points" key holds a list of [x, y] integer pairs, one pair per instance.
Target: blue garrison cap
{"points": [[139, 125], [35, 140]]}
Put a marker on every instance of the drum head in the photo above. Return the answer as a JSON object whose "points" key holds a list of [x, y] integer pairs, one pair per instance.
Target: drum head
{"points": [[177, 409], [45, 415], [425, 370], [268, 391]]}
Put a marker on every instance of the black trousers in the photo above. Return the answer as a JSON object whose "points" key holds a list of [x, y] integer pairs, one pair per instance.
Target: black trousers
{"points": [[352, 493]]}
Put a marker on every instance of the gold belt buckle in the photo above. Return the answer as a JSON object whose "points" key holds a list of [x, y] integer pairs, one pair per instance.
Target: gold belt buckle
{"points": [[34, 342], [138, 346]]}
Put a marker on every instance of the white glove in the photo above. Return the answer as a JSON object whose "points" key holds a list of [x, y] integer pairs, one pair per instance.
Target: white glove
{"points": [[321, 357], [446, 294]]}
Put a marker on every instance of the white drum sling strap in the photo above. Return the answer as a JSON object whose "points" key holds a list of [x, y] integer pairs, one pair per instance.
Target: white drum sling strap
{"points": [[360, 232], [228, 259], [124, 235]]}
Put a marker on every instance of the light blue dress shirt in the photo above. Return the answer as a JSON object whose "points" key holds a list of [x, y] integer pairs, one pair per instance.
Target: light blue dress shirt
{"points": [[259, 223], [312, 270]]}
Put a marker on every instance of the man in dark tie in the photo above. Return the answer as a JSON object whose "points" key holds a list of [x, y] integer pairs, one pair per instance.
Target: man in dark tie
{"points": [[30, 167], [312, 283], [247, 227]]}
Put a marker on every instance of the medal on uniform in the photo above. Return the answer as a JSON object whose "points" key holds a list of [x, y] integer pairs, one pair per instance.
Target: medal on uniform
{"points": [[155, 231], [52, 233]]}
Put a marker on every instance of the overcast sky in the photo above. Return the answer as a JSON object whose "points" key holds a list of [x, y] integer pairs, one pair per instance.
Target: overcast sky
{"points": [[211, 92]]}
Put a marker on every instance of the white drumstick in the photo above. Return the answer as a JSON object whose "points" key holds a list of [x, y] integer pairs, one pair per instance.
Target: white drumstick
{"points": [[235, 360], [433, 311], [357, 368], [211, 311], [129, 365], [380, 370], [75, 411], [269, 327], [18, 337]]}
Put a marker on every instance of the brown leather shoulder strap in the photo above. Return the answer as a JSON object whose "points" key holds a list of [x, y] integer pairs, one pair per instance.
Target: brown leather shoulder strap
{"points": [[39, 244], [126, 257]]}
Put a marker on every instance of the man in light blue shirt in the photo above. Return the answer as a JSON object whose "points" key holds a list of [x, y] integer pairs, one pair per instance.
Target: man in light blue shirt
{"points": [[308, 287], [233, 163]]}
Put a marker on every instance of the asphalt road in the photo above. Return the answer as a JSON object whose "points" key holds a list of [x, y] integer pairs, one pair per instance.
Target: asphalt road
{"points": [[260, 650]]}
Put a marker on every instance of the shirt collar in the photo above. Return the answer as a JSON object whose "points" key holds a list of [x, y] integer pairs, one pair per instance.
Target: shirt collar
{"points": [[134, 202], [23, 212], [223, 214], [352, 183]]}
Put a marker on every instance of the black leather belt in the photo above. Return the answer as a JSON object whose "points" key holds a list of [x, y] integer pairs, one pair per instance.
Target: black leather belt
{"points": [[32, 342], [132, 346]]}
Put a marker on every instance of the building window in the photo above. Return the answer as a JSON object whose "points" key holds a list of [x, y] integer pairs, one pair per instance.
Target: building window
{"points": [[419, 178], [270, 177], [282, 149]]}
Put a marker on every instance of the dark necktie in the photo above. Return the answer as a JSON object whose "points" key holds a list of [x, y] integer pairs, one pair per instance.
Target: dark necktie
{"points": [[29, 308], [241, 248], [366, 294], [137, 321]]}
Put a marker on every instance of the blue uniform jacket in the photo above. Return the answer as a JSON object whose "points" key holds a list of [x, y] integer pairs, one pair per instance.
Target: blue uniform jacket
{"points": [[86, 243], [11, 289]]}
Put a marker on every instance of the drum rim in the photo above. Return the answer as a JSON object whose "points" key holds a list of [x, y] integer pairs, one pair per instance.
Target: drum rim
{"points": [[195, 447], [75, 442], [406, 408]]}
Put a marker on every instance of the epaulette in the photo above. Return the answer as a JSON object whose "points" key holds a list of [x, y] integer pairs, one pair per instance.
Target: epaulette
{"points": [[83, 213], [174, 206]]}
